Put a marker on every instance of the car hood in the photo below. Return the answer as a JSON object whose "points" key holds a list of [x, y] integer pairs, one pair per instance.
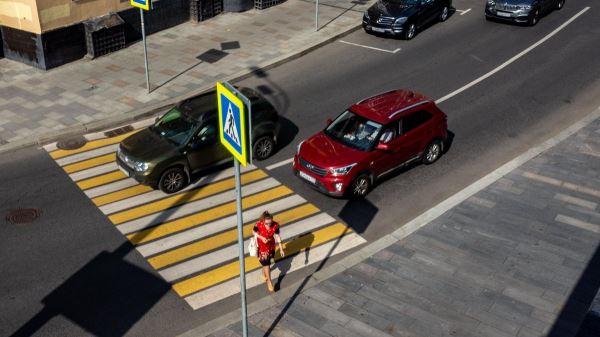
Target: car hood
{"points": [[147, 146], [515, 2], [386, 8], [325, 152]]}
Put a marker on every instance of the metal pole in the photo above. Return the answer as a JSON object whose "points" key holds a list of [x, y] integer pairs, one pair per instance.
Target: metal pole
{"points": [[240, 224], [316, 15], [145, 51]]}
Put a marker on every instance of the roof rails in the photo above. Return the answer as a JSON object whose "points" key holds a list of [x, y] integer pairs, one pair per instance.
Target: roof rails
{"points": [[409, 107]]}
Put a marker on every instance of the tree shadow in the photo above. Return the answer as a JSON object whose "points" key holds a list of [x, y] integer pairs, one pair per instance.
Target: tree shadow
{"points": [[576, 318]]}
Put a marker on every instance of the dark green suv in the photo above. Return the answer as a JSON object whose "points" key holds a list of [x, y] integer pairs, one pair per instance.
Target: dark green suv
{"points": [[186, 140]]}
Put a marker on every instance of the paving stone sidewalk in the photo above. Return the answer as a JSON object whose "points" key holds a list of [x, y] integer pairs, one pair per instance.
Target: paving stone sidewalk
{"points": [[519, 258], [182, 60]]}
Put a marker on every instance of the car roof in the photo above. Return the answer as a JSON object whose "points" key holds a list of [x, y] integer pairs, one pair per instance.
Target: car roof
{"points": [[198, 106], [383, 107]]}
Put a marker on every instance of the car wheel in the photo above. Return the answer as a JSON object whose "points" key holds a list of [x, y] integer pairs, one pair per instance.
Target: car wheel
{"points": [[432, 152], [172, 180], [263, 147], [410, 31], [360, 186], [535, 17], [444, 14], [560, 4]]}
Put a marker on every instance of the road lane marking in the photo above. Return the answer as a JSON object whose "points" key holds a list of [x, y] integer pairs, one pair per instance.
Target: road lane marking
{"points": [[118, 201], [219, 240], [87, 155], [222, 224], [94, 171], [180, 199], [463, 11], [109, 188], [253, 279], [229, 253], [122, 194], [373, 48], [512, 59], [87, 164], [230, 270], [58, 154], [179, 225], [279, 164], [101, 180]]}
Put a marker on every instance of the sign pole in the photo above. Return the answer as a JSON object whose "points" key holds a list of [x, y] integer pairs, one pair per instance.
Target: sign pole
{"points": [[145, 50], [240, 224], [316, 15]]}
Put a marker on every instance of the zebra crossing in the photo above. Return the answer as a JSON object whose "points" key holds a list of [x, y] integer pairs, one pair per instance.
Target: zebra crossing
{"points": [[190, 238]]}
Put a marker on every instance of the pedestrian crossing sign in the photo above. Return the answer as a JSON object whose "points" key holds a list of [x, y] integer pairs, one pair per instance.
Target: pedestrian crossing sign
{"points": [[143, 4], [232, 124]]}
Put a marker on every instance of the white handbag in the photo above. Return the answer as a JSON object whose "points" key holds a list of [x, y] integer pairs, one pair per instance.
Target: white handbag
{"points": [[253, 247]]}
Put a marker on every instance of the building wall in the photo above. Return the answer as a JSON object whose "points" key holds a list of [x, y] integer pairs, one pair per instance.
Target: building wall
{"points": [[20, 14], [60, 13]]}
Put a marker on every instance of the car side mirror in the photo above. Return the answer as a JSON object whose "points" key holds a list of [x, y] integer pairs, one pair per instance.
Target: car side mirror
{"points": [[382, 147], [329, 121]]}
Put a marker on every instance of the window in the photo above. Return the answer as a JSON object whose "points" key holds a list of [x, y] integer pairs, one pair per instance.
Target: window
{"points": [[415, 120], [390, 132]]}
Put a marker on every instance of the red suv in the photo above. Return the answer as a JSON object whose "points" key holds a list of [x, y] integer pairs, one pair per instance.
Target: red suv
{"points": [[371, 139]]}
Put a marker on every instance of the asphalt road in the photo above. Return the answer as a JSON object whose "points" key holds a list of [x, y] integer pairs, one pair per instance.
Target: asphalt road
{"points": [[74, 271]]}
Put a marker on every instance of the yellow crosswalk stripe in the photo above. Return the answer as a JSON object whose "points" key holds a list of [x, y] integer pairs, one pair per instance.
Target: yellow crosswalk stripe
{"points": [[101, 180], [193, 220], [231, 270], [121, 195], [57, 154], [86, 164], [179, 199], [225, 238]]}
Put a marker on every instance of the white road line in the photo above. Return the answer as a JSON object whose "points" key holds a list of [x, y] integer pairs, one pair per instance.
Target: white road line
{"points": [[87, 155], [109, 188], [210, 260], [157, 194], [463, 11], [193, 207], [512, 59], [94, 171], [211, 228], [369, 47], [279, 164], [253, 279]]}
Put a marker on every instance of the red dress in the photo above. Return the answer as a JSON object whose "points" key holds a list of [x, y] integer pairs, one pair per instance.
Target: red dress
{"points": [[266, 251]]}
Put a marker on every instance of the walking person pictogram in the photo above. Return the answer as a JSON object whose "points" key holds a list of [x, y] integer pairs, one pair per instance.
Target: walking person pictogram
{"points": [[266, 232]]}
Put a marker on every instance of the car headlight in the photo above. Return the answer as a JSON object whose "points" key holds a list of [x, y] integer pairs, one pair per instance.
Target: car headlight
{"points": [[141, 166], [298, 147], [491, 2], [341, 171], [401, 20]]}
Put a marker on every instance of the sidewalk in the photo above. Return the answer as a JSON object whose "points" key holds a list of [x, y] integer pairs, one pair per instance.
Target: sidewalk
{"points": [[519, 257], [88, 95]]}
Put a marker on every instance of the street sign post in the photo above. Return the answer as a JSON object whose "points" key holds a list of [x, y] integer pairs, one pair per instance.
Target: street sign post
{"points": [[143, 5], [232, 132]]}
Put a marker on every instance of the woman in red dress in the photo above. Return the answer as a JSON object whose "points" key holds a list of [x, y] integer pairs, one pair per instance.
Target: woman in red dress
{"points": [[266, 232]]}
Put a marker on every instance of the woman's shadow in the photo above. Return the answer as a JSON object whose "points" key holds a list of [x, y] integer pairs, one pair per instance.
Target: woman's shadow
{"points": [[284, 265]]}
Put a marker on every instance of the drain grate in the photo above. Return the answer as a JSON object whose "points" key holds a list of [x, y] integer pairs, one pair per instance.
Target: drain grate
{"points": [[71, 143], [119, 131], [21, 216]]}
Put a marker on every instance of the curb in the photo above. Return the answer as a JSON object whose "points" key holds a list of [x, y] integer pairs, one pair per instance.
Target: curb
{"points": [[153, 109], [289, 293]]}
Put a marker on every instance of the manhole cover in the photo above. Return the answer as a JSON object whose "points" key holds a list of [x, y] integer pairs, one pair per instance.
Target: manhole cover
{"points": [[23, 215], [71, 143], [119, 131]]}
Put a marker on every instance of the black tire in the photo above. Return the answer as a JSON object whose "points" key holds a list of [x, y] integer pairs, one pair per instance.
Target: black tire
{"points": [[173, 180], [535, 17], [360, 187], [444, 14], [560, 4], [432, 152], [263, 147], [410, 32]]}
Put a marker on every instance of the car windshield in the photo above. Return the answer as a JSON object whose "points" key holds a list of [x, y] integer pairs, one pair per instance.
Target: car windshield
{"points": [[353, 130], [403, 2], [175, 126]]}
